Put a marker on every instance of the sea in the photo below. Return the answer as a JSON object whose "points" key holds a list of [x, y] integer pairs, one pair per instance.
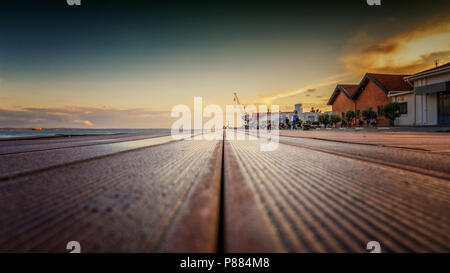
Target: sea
{"points": [[55, 132]]}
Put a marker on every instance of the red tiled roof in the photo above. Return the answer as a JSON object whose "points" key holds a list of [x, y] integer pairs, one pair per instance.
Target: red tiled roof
{"points": [[347, 89], [350, 88], [392, 82], [387, 82]]}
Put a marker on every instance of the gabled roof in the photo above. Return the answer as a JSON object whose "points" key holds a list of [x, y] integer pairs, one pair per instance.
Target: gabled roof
{"points": [[347, 89], [386, 82], [430, 72]]}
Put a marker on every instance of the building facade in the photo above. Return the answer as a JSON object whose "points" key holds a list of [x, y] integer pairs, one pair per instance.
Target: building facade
{"points": [[431, 96], [372, 92], [341, 99], [406, 100]]}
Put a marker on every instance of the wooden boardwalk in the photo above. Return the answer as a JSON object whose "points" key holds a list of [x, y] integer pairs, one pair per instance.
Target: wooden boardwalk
{"points": [[150, 193]]}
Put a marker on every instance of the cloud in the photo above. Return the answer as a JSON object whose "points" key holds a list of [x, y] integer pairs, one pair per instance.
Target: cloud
{"points": [[85, 122], [306, 90], [404, 53], [83, 117]]}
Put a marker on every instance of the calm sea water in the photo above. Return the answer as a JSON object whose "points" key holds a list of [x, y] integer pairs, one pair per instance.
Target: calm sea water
{"points": [[53, 132]]}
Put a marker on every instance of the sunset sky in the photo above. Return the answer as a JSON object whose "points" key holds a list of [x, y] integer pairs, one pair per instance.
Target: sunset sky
{"points": [[125, 64]]}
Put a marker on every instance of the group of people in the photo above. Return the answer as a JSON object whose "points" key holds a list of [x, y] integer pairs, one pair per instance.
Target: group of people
{"points": [[372, 123], [287, 124]]}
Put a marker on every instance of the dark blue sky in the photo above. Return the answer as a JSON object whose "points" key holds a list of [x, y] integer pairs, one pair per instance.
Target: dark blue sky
{"points": [[41, 36]]}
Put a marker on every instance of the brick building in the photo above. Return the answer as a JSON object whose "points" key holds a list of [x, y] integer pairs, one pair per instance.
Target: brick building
{"points": [[372, 91], [341, 99]]}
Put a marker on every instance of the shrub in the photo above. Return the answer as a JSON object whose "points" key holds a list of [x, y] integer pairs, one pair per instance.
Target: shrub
{"points": [[335, 118], [324, 119], [349, 115], [368, 114], [391, 111]]}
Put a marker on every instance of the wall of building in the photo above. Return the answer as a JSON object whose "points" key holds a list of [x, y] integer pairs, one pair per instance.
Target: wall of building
{"points": [[283, 116], [406, 119], [427, 105], [342, 104], [426, 110], [432, 80], [432, 109], [310, 116], [372, 96]]}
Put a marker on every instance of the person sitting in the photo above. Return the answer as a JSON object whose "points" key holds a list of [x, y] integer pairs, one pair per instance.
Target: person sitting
{"points": [[374, 122]]}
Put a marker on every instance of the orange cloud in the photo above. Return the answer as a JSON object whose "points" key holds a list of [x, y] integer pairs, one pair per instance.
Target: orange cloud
{"points": [[308, 89], [404, 53], [85, 122]]}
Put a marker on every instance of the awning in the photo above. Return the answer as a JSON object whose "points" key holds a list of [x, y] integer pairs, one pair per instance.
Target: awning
{"points": [[432, 88]]}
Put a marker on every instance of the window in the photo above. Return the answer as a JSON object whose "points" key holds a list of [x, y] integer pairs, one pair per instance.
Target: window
{"points": [[379, 112], [403, 108], [358, 113], [343, 115]]}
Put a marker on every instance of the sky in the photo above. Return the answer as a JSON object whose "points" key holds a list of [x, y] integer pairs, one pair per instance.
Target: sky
{"points": [[125, 64]]}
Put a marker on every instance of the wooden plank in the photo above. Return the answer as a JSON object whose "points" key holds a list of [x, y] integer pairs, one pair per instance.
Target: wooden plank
{"points": [[138, 201], [299, 200]]}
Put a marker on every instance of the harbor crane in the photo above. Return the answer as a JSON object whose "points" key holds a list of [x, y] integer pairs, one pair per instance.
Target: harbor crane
{"points": [[241, 107]]}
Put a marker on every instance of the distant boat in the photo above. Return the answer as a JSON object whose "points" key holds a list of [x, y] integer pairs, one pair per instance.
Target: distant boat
{"points": [[37, 129]]}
